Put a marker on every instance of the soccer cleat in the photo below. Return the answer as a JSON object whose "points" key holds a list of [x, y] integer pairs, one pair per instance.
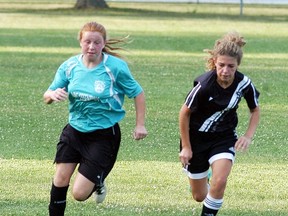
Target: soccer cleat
{"points": [[209, 178], [100, 193], [209, 175]]}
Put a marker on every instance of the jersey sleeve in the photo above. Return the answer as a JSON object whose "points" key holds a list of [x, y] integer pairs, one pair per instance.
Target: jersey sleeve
{"points": [[60, 78], [192, 100], [251, 96], [128, 84]]}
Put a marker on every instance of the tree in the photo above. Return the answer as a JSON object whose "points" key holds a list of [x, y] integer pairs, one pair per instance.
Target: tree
{"points": [[91, 4], [241, 7]]}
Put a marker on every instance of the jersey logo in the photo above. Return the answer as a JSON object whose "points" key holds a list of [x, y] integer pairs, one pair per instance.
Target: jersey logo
{"points": [[210, 98], [99, 86]]}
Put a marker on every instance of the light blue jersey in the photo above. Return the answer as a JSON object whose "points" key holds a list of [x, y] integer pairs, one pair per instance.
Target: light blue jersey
{"points": [[96, 95]]}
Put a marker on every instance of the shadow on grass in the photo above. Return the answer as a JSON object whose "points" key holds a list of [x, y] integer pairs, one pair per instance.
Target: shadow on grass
{"points": [[213, 12], [42, 38]]}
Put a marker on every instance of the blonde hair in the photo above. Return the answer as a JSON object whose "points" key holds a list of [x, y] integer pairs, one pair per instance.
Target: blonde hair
{"points": [[230, 45], [109, 46]]}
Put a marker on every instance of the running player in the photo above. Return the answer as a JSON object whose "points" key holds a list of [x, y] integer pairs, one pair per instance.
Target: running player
{"points": [[208, 121], [95, 82]]}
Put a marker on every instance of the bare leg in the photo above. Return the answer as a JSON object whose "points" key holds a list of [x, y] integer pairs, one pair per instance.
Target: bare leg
{"points": [[82, 187], [199, 189], [214, 199], [63, 174], [220, 172]]}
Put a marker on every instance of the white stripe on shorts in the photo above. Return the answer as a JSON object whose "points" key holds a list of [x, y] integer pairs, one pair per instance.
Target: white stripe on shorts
{"points": [[224, 155], [195, 175]]}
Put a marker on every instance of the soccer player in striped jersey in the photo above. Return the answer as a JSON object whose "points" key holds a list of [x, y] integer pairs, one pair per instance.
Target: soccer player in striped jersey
{"points": [[208, 121]]}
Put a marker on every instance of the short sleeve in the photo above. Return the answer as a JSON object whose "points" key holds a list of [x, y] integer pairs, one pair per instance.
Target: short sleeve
{"points": [[60, 78], [251, 96], [126, 81], [193, 98]]}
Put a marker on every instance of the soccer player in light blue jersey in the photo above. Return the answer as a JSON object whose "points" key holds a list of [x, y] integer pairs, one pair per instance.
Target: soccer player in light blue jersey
{"points": [[95, 82], [208, 121]]}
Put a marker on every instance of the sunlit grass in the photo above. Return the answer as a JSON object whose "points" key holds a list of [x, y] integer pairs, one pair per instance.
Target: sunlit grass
{"points": [[145, 188]]}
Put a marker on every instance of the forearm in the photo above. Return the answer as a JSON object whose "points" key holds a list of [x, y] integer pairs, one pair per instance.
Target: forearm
{"points": [[184, 119], [140, 107], [140, 131], [186, 152], [253, 123]]}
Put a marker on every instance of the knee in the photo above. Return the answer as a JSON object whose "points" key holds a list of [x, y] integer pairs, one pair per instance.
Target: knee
{"points": [[199, 197], [79, 195], [61, 180], [219, 184]]}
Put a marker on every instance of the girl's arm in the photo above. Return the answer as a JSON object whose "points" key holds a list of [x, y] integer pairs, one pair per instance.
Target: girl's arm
{"points": [[244, 141], [59, 94], [140, 131], [184, 119]]}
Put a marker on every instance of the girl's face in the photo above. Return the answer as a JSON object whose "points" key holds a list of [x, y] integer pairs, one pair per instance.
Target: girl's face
{"points": [[226, 67], [92, 44]]}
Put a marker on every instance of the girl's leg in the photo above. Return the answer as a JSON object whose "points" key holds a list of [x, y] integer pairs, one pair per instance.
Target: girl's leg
{"points": [[199, 189], [59, 188], [100, 155], [82, 188], [220, 171], [63, 174]]}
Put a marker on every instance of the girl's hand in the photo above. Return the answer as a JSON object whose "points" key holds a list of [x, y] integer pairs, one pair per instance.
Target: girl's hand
{"points": [[243, 143], [59, 94], [140, 132], [185, 155]]}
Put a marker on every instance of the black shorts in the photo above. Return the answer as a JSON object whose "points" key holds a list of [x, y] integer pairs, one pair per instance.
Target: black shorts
{"points": [[207, 148], [96, 151]]}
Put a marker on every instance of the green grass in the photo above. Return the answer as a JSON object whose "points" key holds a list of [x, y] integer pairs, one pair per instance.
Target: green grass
{"points": [[165, 56]]}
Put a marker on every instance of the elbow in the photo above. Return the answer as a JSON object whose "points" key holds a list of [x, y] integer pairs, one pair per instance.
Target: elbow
{"points": [[256, 110], [141, 95], [46, 98], [48, 101], [140, 98]]}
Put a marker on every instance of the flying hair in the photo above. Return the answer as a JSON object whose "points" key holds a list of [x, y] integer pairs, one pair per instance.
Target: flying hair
{"points": [[112, 45], [230, 45]]}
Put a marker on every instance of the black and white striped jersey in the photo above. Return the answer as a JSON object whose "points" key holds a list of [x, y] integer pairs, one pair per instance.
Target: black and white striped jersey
{"points": [[214, 108]]}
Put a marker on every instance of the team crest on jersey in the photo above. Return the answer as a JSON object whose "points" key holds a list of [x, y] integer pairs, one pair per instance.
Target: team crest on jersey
{"points": [[99, 86]]}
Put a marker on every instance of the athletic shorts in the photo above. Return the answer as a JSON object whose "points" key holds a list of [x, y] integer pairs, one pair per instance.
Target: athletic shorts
{"points": [[207, 148], [96, 151]]}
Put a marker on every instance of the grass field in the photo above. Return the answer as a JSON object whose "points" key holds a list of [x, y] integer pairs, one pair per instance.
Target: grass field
{"points": [[165, 56]]}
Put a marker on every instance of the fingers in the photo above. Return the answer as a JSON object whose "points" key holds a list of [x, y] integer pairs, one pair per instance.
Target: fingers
{"points": [[140, 132], [184, 162], [139, 136], [185, 156], [59, 95], [242, 143]]}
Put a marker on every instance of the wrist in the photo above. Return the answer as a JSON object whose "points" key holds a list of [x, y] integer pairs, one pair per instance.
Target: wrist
{"points": [[186, 147], [248, 137]]}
